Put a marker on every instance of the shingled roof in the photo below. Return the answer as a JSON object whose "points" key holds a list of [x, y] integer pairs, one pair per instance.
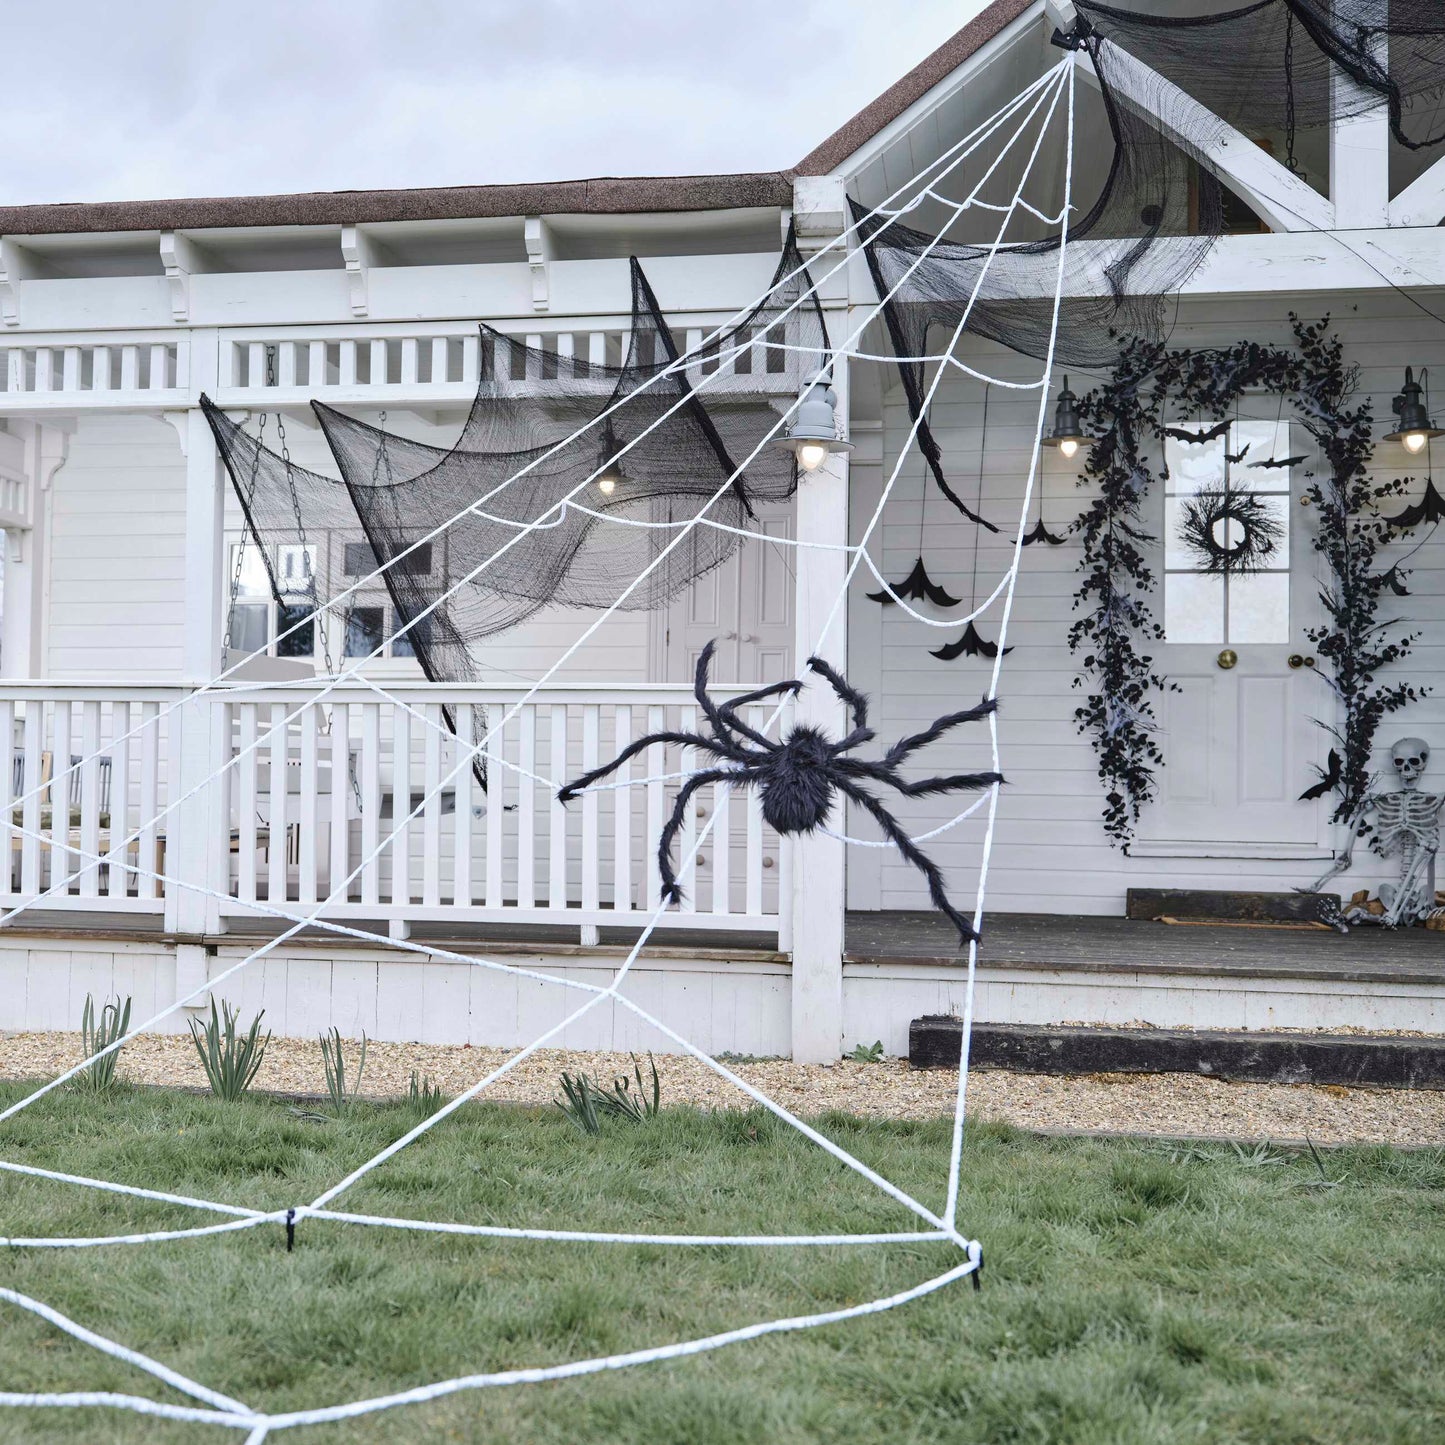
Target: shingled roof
{"points": [[603, 195]]}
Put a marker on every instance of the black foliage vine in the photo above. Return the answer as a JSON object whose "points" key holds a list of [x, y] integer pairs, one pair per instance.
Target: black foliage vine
{"points": [[1116, 621]]}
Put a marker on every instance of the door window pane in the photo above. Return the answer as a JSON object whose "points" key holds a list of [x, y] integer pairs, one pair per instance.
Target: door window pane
{"points": [[302, 642], [363, 631], [1245, 465]]}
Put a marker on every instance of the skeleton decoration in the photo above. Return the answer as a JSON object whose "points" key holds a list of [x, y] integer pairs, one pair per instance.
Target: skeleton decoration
{"points": [[1407, 823]]}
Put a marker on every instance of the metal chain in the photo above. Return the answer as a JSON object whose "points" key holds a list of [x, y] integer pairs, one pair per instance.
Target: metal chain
{"points": [[227, 636], [1289, 115]]}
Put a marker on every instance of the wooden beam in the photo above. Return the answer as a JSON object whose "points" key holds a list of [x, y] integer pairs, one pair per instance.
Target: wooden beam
{"points": [[1283, 201], [1422, 202], [537, 236], [1359, 157]]}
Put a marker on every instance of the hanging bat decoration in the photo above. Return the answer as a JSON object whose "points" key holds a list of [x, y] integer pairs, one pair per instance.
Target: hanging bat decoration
{"points": [[1330, 776], [1041, 533], [1183, 434], [1229, 533], [1430, 508], [1395, 582], [916, 587], [971, 644], [1234, 458], [1279, 462]]}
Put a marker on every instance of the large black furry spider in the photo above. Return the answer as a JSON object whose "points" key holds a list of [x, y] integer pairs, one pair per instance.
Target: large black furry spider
{"points": [[798, 775]]}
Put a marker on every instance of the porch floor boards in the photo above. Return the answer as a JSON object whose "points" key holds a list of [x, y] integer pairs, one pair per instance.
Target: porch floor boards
{"points": [[1023, 941], [1122, 945]]}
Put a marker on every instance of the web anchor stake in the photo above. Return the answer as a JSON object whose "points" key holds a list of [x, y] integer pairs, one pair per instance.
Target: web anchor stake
{"points": [[291, 1233], [977, 1275]]}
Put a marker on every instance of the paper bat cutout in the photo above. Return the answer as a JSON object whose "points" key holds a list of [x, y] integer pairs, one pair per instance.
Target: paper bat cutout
{"points": [[1430, 508], [1210, 434], [1234, 458], [1395, 582], [1041, 533], [1329, 779], [1279, 462], [915, 587], [969, 645]]}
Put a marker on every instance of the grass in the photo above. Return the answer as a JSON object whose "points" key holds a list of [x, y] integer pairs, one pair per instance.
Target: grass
{"points": [[1134, 1292]]}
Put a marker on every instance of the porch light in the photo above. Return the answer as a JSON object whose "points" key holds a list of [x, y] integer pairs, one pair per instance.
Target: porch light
{"points": [[813, 435], [1068, 433], [611, 473], [1415, 427]]}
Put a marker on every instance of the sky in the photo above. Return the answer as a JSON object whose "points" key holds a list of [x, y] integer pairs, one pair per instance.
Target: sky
{"points": [[175, 98]]}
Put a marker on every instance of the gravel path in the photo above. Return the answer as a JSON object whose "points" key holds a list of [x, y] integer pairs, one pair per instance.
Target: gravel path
{"points": [[1174, 1104]]}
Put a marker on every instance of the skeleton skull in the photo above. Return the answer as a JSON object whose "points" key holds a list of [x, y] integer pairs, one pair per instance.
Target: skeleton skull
{"points": [[1410, 756]]}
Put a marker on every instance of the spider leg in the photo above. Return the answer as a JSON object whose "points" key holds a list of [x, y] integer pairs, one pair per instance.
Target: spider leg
{"points": [[914, 854], [671, 890], [927, 787], [570, 790], [904, 746], [846, 692], [728, 711]]}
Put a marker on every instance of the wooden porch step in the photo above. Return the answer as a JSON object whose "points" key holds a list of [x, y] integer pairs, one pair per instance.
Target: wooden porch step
{"points": [[1387, 1061]]}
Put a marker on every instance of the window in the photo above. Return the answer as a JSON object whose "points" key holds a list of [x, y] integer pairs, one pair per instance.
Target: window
{"points": [[405, 645], [255, 619], [1241, 606], [363, 631], [359, 560]]}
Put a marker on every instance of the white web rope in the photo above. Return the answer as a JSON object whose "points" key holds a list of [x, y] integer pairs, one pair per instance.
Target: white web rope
{"points": [[259, 1425]]}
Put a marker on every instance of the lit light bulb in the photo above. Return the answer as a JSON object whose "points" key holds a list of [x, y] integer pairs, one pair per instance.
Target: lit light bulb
{"points": [[812, 455], [1414, 441], [607, 483], [1069, 446]]}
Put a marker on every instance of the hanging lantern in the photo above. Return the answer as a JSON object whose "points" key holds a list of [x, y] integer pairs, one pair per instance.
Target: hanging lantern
{"points": [[1415, 428], [1068, 432], [609, 472], [813, 435]]}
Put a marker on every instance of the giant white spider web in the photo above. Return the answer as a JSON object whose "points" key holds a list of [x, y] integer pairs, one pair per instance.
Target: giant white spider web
{"points": [[1048, 101]]}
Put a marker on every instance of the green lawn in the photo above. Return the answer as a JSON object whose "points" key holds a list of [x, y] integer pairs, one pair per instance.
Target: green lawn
{"points": [[1133, 1292]]}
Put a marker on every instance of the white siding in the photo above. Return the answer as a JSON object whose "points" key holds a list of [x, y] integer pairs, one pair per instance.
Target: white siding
{"points": [[1051, 854], [117, 552]]}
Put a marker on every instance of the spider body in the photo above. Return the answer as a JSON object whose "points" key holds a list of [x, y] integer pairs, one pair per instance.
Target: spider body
{"points": [[799, 776]]}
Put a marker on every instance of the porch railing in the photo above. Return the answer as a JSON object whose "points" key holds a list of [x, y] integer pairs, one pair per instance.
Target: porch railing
{"points": [[308, 811]]}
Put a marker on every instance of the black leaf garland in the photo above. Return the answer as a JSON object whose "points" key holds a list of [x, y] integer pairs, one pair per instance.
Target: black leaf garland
{"points": [[1354, 645]]}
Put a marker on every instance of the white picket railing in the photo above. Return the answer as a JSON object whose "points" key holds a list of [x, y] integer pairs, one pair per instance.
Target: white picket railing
{"points": [[358, 363], [318, 800], [117, 790], [92, 369]]}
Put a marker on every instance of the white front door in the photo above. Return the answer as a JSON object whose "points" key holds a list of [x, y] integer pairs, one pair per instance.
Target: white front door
{"points": [[1239, 736], [745, 606]]}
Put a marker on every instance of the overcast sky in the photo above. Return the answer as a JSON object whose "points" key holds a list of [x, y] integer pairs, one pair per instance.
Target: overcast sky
{"points": [[124, 100]]}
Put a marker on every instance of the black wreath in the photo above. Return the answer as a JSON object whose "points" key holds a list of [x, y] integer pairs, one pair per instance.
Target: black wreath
{"points": [[1260, 532]]}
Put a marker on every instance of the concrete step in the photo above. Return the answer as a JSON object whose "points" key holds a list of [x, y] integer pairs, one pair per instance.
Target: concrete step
{"points": [[1360, 1060]]}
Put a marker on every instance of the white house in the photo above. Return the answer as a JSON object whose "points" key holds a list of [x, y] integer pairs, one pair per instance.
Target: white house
{"points": [[121, 533]]}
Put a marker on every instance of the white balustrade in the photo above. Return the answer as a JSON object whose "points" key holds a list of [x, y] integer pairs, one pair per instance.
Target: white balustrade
{"points": [[57, 822], [441, 805], [436, 804], [89, 370]]}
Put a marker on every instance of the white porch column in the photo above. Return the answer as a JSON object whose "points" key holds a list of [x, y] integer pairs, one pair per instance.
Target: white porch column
{"points": [[196, 849], [818, 861], [36, 452], [1360, 157]]}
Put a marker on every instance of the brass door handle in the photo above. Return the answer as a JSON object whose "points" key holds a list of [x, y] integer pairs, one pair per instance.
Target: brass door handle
{"points": [[1227, 658], [1295, 660]]}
